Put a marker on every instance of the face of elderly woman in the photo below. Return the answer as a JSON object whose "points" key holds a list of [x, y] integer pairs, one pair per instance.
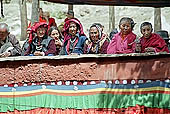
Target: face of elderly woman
{"points": [[73, 29], [125, 27], [94, 34]]}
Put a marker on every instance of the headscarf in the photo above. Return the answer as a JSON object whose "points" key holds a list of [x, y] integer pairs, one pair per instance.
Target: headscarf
{"points": [[91, 42], [98, 29], [34, 28], [67, 25]]}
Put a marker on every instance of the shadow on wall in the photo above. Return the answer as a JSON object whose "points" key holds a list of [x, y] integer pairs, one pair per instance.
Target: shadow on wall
{"points": [[143, 69], [153, 69]]}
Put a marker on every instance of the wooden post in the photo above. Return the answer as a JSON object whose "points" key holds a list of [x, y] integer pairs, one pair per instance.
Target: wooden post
{"points": [[2, 14], [70, 7], [111, 18], [35, 14], [157, 19], [24, 23], [38, 5]]}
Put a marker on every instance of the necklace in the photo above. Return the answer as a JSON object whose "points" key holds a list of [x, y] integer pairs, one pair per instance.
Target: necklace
{"points": [[72, 41]]}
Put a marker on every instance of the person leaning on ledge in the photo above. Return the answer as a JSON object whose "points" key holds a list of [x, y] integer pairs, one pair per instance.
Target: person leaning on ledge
{"points": [[9, 45]]}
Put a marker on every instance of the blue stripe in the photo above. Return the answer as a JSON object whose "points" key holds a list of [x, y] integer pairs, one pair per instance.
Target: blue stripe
{"points": [[87, 87]]}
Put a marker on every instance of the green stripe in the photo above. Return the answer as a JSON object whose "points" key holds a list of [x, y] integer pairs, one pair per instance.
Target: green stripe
{"points": [[84, 102]]}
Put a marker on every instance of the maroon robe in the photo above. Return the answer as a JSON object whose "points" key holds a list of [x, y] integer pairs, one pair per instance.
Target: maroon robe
{"points": [[154, 41]]}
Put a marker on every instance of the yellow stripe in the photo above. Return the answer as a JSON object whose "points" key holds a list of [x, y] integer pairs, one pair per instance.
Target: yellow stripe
{"points": [[84, 91]]}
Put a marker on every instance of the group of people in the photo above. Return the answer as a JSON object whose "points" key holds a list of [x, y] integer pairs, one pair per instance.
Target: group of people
{"points": [[45, 40]]}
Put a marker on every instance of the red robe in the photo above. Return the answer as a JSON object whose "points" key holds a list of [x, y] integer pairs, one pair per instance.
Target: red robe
{"points": [[154, 41]]}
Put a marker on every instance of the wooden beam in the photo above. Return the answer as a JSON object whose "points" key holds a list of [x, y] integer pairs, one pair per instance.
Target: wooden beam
{"points": [[35, 14], [148, 3], [111, 18], [2, 14], [24, 23], [70, 7], [157, 19]]}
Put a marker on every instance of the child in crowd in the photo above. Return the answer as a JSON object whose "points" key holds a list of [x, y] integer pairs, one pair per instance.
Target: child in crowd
{"points": [[124, 41], [151, 42], [54, 33]]}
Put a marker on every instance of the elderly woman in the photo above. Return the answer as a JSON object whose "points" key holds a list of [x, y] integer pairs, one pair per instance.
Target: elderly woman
{"points": [[41, 44], [54, 33], [97, 43], [124, 41], [74, 38]]}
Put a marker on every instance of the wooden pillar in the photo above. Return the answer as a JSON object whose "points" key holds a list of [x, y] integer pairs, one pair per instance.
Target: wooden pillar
{"points": [[38, 4], [111, 18], [2, 14], [157, 19], [70, 7], [35, 14], [24, 23]]}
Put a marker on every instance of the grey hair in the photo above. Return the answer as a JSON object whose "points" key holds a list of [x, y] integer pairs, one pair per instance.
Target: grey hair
{"points": [[4, 26], [132, 23]]}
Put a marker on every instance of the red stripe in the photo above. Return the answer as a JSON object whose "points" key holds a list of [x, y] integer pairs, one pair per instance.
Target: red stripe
{"points": [[129, 110]]}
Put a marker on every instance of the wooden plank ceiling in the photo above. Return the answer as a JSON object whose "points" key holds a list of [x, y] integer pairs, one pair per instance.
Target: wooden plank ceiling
{"points": [[147, 3]]}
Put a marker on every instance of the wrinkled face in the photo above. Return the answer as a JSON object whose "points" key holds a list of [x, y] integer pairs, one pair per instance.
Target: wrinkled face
{"points": [[146, 31], [94, 34], [3, 33], [55, 34], [125, 27], [41, 32], [73, 29]]}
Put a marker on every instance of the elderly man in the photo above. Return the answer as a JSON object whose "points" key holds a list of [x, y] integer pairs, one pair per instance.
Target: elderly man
{"points": [[9, 45]]}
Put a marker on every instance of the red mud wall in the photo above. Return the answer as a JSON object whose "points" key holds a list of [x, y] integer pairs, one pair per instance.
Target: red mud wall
{"points": [[85, 67]]}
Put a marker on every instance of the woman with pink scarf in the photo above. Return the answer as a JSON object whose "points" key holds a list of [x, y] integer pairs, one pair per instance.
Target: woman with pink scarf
{"points": [[74, 38], [124, 41], [98, 41]]}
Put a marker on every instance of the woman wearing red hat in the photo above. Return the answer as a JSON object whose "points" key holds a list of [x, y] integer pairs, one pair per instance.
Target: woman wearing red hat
{"points": [[41, 44], [74, 38]]}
